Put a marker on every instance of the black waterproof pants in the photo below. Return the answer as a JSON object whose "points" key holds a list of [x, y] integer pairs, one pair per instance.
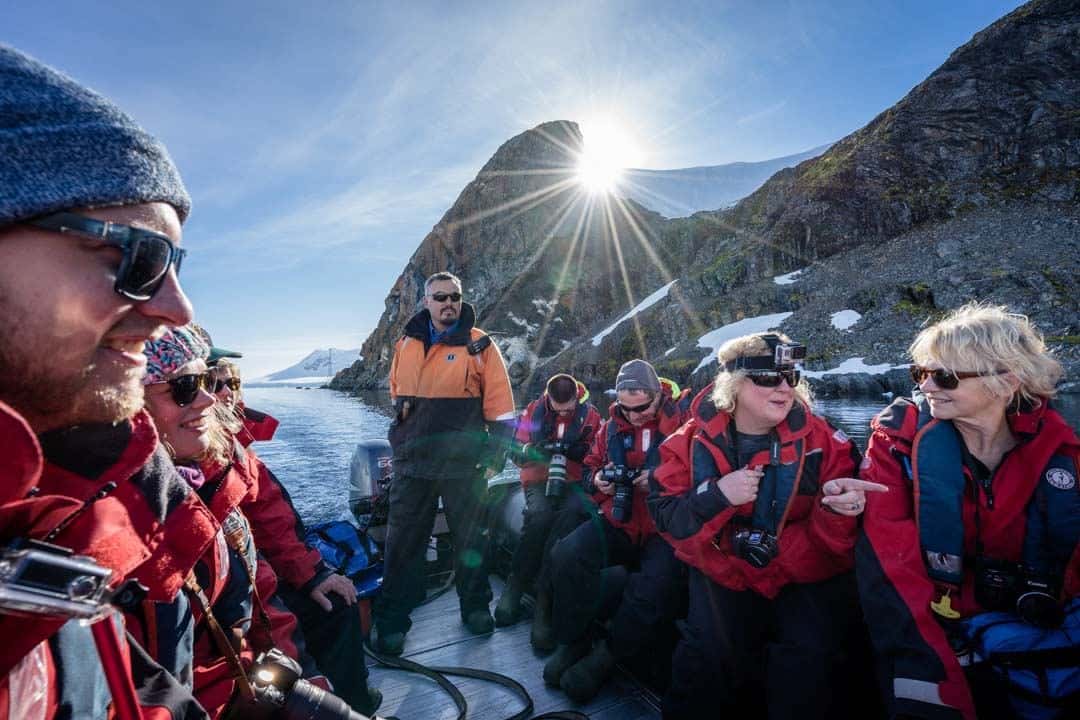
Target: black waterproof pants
{"points": [[411, 518], [740, 651], [336, 640], [546, 521], [599, 572]]}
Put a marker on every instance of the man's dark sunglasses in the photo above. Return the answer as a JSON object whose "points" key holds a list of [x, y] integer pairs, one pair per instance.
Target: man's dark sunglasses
{"points": [[147, 254], [946, 379], [186, 387], [774, 378], [233, 384], [443, 297], [636, 408]]}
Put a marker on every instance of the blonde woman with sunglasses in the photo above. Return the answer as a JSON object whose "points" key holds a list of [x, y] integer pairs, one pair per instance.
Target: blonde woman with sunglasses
{"points": [[756, 494], [981, 523]]}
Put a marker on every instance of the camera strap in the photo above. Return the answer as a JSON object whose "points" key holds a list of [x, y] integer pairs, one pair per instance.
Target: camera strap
{"points": [[221, 639]]}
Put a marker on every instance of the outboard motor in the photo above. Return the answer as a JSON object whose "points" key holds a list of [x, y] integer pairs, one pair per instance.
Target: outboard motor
{"points": [[370, 474]]}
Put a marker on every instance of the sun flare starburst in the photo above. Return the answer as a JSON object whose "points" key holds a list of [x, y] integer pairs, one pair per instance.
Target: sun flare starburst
{"points": [[608, 150]]}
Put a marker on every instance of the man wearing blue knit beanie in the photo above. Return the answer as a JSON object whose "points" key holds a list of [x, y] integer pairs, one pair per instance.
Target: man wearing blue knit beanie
{"points": [[90, 213]]}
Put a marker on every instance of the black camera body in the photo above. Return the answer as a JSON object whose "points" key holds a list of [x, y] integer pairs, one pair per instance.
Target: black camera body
{"points": [[755, 546], [1012, 587], [281, 694], [622, 506], [556, 478]]}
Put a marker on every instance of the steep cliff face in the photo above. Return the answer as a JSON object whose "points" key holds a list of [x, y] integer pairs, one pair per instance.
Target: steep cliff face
{"points": [[964, 190]]}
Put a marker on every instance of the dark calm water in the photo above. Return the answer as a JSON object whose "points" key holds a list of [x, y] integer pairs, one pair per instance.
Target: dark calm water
{"points": [[320, 428]]}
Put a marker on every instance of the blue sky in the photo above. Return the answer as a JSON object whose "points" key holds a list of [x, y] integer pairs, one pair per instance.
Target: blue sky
{"points": [[321, 141]]}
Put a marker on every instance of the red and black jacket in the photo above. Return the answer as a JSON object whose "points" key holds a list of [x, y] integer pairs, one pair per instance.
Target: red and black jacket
{"points": [[279, 532], [620, 442], [238, 585], [115, 496], [693, 515], [935, 506], [540, 424]]}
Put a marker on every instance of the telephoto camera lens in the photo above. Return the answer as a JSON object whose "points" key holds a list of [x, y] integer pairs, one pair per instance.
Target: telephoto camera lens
{"points": [[622, 507], [556, 478]]}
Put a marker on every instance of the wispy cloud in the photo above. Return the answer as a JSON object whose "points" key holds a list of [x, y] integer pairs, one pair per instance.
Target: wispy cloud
{"points": [[761, 114]]}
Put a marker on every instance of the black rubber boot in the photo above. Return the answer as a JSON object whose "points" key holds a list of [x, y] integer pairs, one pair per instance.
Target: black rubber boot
{"points": [[369, 706], [479, 621], [508, 611], [542, 635], [387, 644], [582, 680], [564, 657]]}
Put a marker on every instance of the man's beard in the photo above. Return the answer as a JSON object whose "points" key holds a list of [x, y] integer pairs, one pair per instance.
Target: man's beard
{"points": [[50, 397]]}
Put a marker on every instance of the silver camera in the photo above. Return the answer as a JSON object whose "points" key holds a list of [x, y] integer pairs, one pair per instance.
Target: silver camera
{"points": [[37, 578], [786, 355]]}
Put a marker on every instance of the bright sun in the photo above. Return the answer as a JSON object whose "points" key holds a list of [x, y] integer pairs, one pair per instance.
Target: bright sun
{"points": [[608, 150]]}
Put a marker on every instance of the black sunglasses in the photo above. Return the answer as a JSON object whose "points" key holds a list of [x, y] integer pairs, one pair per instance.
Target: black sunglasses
{"points": [[774, 378], [147, 254], [636, 408], [233, 384], [946, 379], [186, 387], [443, 297]]}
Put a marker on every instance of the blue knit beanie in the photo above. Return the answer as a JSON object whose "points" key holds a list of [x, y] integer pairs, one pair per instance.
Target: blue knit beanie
{"points": [[63, 146]]}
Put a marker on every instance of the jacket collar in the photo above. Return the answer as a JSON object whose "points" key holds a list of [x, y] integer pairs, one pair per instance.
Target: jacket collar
{"points": [[418, 326], [21, 460]]}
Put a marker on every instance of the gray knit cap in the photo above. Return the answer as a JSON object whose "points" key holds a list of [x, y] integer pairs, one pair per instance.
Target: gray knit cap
{"points": [[637, 375], [63, 146]]}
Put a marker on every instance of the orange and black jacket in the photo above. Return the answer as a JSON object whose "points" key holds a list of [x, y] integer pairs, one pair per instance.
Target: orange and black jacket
{"points": [[935, 508], [115, 496], [540, 424], [694, 516], [455, 408]]}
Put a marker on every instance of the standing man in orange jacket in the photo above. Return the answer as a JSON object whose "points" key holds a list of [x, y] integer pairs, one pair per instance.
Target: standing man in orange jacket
{"points": [[454, 423]]}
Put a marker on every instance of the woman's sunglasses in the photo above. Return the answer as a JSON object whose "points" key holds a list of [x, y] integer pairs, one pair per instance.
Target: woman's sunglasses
{"points": [[443, 297], [147, 255], [771, 379], [233, 383], [946, 379], [187, 387]]}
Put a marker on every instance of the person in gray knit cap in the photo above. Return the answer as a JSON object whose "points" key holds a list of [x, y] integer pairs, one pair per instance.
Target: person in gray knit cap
{"points": [[90, 213]]}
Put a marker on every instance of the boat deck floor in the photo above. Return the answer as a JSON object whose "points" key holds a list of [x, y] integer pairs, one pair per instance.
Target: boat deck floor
{"points": [[438, 638]]}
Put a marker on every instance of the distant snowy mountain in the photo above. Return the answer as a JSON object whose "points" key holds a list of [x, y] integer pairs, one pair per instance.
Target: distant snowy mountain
{"points": [[320, 363], [683, 192]]}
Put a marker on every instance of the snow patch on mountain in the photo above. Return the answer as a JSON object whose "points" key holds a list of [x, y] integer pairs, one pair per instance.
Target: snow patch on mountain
{"points": [[643, 305]]}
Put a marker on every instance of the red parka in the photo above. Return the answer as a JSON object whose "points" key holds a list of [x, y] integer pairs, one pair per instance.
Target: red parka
{"points": [[672, 413], [540, 424], [895, 586], [693, 515], [123, 504], [278, 529]]}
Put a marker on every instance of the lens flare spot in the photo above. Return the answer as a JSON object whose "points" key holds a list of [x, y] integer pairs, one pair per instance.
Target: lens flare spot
{"points": [[471, 559]]}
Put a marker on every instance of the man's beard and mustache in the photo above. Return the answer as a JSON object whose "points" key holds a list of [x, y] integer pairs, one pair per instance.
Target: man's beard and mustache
{"points": [[52, 397]]}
